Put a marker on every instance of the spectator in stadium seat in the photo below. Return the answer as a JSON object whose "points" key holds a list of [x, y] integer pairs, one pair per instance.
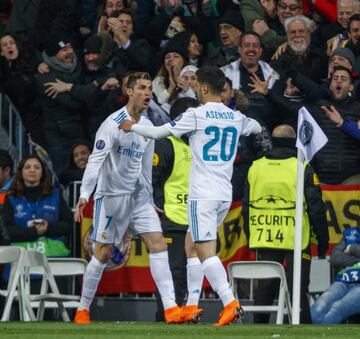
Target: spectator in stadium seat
{"points": [[75, 167], [18, 64], [311, 62], [62, 123], [98, 82], [339, 160], [174, 57], [273, 34], [230, 27], [252, 10], [342, 299], [269, 204], [6, 175], [331, 36], [240, 72], [129, 53], [35, 213]]}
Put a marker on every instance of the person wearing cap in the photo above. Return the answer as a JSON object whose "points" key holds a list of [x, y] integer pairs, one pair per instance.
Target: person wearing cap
{"points": [[174, 58], [230, 28], [98, 83], [62, 122], [185, 88]]}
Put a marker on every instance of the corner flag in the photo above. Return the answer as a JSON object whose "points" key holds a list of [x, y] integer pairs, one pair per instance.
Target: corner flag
{"points": [[310, 137]]}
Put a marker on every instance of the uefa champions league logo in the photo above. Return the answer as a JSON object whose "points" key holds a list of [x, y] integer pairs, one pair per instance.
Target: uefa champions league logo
{"points": [[306, 132]]}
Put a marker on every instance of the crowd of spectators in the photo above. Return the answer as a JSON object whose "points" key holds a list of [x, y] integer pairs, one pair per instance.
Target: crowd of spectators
{"points": [[64, 65]]}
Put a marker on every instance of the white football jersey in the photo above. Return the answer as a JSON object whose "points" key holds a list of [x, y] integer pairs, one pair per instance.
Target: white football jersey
{"points": [[214, 131], [116, 162]]}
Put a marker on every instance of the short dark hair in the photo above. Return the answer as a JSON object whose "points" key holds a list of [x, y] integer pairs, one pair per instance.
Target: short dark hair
{"points": [[133, 77], [181, 105], [229, 82], [213, 77], [250, 33], [354, 17], [6, 160], [342, 68]]}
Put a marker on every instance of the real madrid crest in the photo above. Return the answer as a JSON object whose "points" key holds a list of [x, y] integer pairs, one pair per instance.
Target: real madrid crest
{"points": [[306, 132]]}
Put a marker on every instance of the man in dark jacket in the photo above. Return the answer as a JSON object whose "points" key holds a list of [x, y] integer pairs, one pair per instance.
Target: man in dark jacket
{"points": [[339, 160], [269, 216], [230, 27], [98, 83], [62, 113]]}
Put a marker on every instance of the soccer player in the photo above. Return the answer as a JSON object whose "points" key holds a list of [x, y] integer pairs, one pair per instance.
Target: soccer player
{"points": [[120, 168], [213, 130]]}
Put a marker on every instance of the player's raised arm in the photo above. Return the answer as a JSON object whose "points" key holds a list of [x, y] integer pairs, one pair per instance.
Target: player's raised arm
{"points": [[152, 132]]}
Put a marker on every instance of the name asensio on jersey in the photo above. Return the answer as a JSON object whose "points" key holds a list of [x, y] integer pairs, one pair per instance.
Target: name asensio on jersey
{"points": [[220, 115]]}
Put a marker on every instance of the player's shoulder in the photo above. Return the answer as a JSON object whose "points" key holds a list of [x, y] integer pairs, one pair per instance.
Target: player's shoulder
{"points": [[144, 120]]}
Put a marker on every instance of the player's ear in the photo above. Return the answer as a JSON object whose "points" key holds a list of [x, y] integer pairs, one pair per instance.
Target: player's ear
{"points": [[129, 91]]}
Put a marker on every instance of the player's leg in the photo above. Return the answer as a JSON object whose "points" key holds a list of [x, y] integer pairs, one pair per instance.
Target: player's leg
{"points": [[147, 224], [195, 277], [106, 212], [204, 218]]}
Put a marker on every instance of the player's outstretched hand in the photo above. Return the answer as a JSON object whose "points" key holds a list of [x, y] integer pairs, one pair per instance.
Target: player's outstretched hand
{"points": [[126, 125], [78, 214]]}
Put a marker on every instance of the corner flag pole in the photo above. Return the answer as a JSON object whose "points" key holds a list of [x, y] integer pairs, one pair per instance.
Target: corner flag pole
{"points": [[298, 238]]}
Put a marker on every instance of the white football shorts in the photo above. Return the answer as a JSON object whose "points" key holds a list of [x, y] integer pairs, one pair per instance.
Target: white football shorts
{"points": [[205, 216], [112, 215]]}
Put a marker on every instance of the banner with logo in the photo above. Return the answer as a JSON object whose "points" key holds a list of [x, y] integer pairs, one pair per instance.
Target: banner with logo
{"points": [[129, 269]]}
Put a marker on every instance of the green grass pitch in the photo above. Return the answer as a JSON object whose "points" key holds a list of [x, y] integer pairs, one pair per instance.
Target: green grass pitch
{"points": [[121, 330]]}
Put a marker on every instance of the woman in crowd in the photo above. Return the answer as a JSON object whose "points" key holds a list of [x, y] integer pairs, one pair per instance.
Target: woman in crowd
{"points": [[18, 64], [78, 159], [35, 213], [174, 59]]}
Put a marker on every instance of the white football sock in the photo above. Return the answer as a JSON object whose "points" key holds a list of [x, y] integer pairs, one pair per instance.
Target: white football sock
{"points": [[217, 277], [160, 271], [195, 277], [92, 276]]}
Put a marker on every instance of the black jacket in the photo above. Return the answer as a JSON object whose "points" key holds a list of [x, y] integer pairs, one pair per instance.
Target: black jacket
{"points": [[62, 115], [313, 198], [56, 229], [339, 159]]}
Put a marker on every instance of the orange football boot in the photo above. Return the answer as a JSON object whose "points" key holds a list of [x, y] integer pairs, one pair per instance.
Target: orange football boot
{"points": [[82, 317], [191, 313], [172, 315], [231, 312]]}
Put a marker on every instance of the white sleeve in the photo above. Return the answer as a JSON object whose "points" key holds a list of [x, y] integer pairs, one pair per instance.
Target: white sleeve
{"points": [[152, 132], [250, 126], [103, 143], [183, 124]]}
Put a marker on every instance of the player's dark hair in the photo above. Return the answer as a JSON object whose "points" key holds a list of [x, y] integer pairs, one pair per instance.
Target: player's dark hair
{"points": [[213, 77], [181, 105]]}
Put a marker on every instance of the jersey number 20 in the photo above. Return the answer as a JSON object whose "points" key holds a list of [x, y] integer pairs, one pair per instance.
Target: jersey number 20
{"points": [[222, 137]]}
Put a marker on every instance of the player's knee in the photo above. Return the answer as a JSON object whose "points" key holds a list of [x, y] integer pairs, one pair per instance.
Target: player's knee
{"points": [[157, 245], [103, 252]]}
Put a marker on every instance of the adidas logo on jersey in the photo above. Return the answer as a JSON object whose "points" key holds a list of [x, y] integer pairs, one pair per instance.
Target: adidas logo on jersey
{"points": [[208, 234]]}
